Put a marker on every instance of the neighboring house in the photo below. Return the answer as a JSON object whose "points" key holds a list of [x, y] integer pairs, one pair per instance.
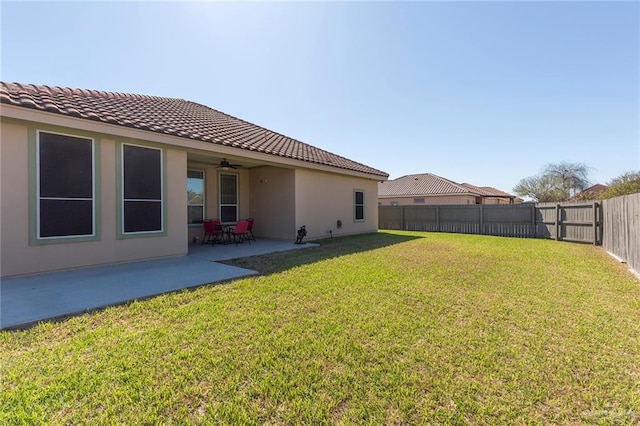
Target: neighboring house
{"points": [[492, 195], [591, 193], [427, 188], [91, 177]]}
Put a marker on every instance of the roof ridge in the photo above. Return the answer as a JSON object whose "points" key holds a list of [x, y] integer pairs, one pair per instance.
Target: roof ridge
{"points": [[470, 185], [422, 184], [451, 182], [38, 88]]}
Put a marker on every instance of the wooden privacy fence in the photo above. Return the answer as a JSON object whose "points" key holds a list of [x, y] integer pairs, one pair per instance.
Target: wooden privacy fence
{"points": [[579, 222], [504, 220], [614, 223], [622, 228]]}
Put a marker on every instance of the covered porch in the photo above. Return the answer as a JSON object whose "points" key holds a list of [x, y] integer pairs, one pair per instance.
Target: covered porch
{"points": [[235, 188]]}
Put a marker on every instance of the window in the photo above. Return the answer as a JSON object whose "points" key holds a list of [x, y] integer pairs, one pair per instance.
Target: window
{"points": [[195, 196], [65, 186], [141, 189], [358, 205], [228, 197]]}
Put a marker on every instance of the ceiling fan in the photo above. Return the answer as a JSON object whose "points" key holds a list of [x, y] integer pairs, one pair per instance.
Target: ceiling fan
{"points": [[225, 165]]}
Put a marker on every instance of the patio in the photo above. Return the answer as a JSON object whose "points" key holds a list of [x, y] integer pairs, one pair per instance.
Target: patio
{"points": [[24, 301]]}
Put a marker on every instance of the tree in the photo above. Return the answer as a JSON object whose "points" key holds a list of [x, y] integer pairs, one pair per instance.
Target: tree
{"points": [[540, 188], [556, 182], [626, 183], [571, 177]]}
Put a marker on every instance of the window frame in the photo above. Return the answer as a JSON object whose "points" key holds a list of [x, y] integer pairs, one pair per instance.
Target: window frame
{"points": [[38, 198], [237, 195], [356, 205], [122, 200], [204, 195]]}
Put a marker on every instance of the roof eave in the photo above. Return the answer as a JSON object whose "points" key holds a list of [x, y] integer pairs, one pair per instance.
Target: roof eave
{"points": [[63, 120], [443, 194]]}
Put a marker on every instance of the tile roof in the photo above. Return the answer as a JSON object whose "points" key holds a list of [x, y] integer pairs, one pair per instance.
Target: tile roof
{"points": [[487, 191], [591, 193], [170, 116], [430, 184], [420, 184]]}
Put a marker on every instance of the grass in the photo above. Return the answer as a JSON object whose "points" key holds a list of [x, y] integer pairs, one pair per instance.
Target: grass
{"points": [[387, 328]]}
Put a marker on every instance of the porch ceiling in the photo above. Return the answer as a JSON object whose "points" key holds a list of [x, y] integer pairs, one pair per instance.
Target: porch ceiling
{"points": [[215, 159]]}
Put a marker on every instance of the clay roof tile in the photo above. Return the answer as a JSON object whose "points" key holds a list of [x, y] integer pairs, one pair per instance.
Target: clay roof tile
{"points": [[172, 117]]}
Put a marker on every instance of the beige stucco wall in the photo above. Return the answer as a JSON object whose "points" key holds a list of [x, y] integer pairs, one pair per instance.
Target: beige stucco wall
{"points": [[14, 197], [441, 199], [281, 199], [497, 200], [322, 199], [272, 201], [19, 257]]}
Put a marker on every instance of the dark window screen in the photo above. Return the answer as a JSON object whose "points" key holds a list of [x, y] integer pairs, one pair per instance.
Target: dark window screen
{"points": [[142, 216], [65, 185], [66, 166], [359, 205], [60, 218], [142, 173], [228, 214], [228, 198], [142, 189], [228, 189]]}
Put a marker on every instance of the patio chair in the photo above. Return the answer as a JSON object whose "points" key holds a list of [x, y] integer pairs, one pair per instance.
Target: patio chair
{"points": [[221, 235], [240, 233], [250, 229], [213, 232]]}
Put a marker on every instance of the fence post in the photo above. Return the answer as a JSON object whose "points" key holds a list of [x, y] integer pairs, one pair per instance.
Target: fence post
{"points": [[481, 220], [557, 222], [438, 218], [534, 227], [601, 223], [595, 223], [402, 218]]}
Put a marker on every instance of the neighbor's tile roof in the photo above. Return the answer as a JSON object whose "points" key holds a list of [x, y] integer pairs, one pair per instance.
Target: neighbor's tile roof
{"points": [[176, 117], [590, 193], [430, 184], [487, 191], [420, 184]]}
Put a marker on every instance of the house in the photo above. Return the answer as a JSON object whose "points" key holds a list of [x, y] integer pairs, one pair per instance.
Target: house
{"points": [[591, 193], [92, 178], [490, 195], [427, 188]]}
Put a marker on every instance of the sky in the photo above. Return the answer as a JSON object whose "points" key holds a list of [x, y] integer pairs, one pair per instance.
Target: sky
{"points": [[480, 92]]}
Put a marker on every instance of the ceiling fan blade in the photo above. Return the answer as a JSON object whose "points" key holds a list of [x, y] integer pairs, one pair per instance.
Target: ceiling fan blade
{"points": [[224, 164]]}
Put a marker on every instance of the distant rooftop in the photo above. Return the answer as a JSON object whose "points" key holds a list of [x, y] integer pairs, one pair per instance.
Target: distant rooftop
{"points": [[591, 193], [425, 184], [487, 191], [420, 184]]}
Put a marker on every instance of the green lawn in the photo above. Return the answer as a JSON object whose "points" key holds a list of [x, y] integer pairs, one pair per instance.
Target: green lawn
{"points": [[390, 328]]}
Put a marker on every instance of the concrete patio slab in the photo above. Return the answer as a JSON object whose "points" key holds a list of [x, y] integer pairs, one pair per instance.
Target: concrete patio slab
{"points": [[26, 300], [231, 251]]}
